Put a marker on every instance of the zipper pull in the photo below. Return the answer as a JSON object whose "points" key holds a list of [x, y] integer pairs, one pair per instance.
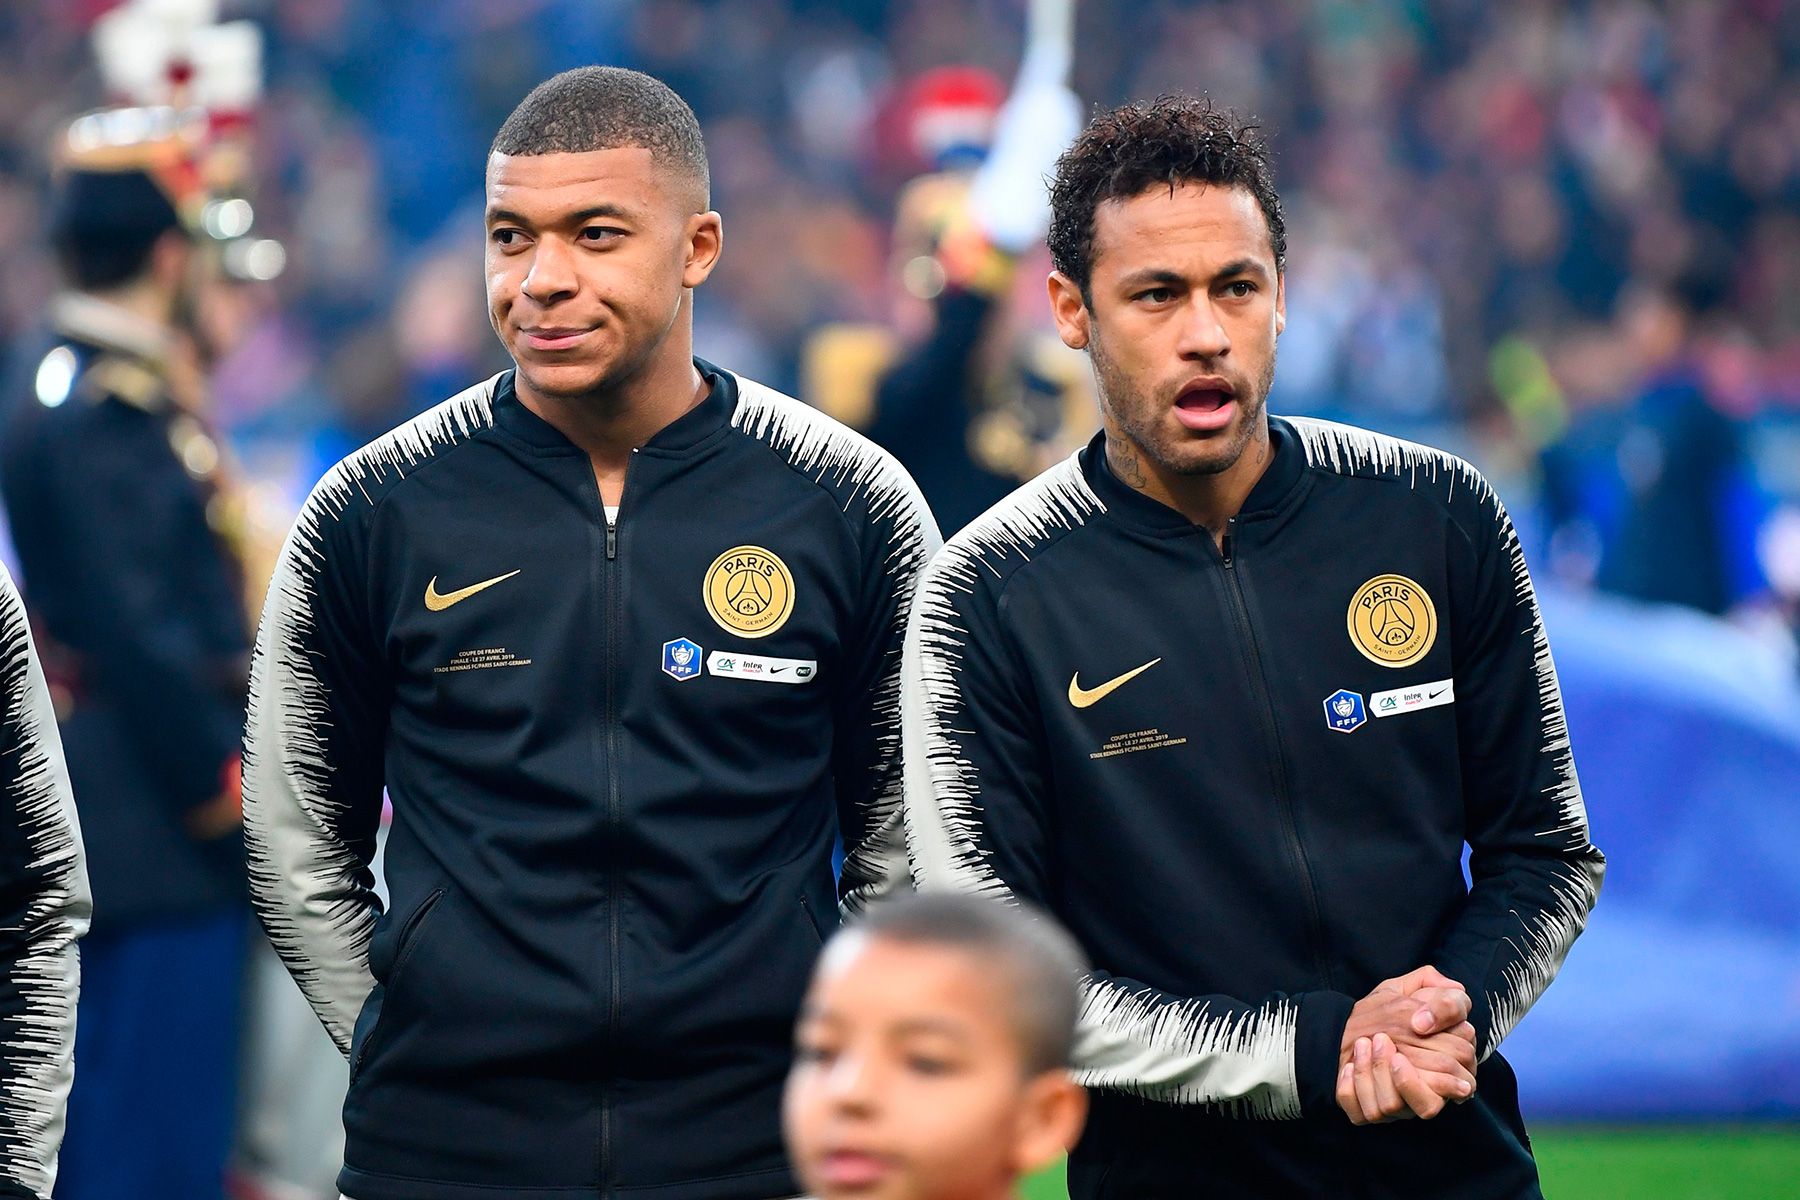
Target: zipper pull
{"points": [[1225, 542], [612, 525]]}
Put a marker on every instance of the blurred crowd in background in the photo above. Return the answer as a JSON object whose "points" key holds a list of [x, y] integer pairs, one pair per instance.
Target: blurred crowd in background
{"points": [[1562, 238]]}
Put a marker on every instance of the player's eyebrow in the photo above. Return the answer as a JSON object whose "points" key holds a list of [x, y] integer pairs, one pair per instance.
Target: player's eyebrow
{"points": [[1242, 266], [506, 216], [1145, 275]]}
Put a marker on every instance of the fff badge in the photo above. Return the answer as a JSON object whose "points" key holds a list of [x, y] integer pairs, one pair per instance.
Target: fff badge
{"points": [[1344, 711], [681, 659]]}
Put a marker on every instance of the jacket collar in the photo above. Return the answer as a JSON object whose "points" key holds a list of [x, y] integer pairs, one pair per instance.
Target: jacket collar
{"points": [[86, 318], [699, 423], [1279, 483]]}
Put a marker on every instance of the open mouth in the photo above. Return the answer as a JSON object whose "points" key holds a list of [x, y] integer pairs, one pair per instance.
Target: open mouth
{"points": [[1205, 404], [1203, 399]]}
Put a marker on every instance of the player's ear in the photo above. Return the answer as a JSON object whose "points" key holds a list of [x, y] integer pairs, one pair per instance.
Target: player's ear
{"points": [[1070, 309], [1280, 301], [705, 242], [1050, 1120]]}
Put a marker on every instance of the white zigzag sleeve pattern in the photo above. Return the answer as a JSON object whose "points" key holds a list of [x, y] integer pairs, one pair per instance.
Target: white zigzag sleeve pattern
{"points": [[1238, 1064], [1575, 885], [1235, 1058], [47, 907], [899, 536], [943, 782], [303, 792], [1537, 872]]}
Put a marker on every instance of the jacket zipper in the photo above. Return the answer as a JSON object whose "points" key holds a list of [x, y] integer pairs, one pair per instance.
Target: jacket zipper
{"points": [[1284, 799], [613, 602]]}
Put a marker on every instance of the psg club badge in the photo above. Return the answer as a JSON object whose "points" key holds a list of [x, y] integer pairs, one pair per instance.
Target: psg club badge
{"points": [[1344, 711], [681, 659]]}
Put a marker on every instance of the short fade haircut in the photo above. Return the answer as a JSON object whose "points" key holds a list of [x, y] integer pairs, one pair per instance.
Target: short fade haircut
{"points": [[1037, 963], [604, 108], [1170, 141]]}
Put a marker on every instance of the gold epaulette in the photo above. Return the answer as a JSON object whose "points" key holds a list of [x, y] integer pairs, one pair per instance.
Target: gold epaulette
{"points": [[131, 380], [840, 367]]}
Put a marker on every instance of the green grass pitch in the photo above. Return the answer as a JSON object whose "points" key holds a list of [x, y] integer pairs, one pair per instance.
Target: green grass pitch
{"points": [[1643, 1163]]}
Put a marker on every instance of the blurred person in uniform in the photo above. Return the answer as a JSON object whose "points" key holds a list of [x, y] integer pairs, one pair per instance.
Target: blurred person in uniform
{"points": [[131, 533], [44, 908], [1656, 488], [969, 388], [1687, 532]]}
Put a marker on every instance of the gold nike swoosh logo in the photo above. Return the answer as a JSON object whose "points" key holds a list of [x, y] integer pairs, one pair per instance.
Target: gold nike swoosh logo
{"points": [[1081, 697], [438, 601]]}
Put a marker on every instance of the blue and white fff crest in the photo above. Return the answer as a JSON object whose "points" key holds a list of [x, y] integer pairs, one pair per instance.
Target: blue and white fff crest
{"points": [[681, 659], [1344, 711]]}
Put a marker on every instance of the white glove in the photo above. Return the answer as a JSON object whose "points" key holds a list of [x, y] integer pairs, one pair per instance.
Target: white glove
{"points": [[1009, 198]]}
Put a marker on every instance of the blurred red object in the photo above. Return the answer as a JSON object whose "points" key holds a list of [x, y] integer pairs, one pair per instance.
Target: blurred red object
{"points": [[936, 119]]}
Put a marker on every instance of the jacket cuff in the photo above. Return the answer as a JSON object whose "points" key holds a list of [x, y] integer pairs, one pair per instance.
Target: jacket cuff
{"points": [[1318, 1042]]}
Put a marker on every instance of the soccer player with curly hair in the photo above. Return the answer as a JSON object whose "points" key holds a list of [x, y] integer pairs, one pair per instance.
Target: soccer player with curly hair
{"points": [[1229, 693]]}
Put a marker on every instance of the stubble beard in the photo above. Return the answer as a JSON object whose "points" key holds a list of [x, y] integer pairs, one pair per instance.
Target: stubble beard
{"points": [[1135, 417]]}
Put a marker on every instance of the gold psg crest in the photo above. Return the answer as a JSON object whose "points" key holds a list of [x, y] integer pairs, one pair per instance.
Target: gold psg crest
{"points": [[749, 592], [1392, 621]]}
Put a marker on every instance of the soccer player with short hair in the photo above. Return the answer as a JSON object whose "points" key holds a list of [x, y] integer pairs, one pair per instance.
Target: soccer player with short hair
{"points": [[619, 632], [932, 1054], [1229, 693]]}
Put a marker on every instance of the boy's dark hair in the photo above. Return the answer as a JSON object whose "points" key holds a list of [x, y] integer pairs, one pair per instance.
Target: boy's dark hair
{"points": [[1039, 964], [604, 108], [1171, 141]]}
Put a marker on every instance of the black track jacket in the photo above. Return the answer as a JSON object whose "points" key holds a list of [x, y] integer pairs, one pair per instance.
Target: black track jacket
{"points": [[618, 755], [1244, 777]]}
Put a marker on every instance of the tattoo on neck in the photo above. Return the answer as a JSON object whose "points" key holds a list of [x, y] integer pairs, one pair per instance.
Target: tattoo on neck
{"points": [[1124, 461]]}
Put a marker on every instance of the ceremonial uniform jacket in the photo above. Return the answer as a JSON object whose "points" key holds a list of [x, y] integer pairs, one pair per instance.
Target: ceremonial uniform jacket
{"points": [[619, 751], [1243, 773], [135, 588]]}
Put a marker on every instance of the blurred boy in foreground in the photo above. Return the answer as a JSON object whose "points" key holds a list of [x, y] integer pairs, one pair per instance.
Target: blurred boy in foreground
{"points": [[932, 1054]]}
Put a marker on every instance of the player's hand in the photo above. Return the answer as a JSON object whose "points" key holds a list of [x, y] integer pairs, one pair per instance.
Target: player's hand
{"points": [[1445, 1060], [1380, 1083], [1425, 1015], [1443, 1003], [1409, 1008]]}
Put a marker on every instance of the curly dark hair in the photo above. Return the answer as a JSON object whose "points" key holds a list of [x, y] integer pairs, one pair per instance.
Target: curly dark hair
{"points": [[1135, 147]]}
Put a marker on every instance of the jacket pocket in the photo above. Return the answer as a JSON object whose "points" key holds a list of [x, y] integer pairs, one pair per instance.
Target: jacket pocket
{"points": [[409, 941]]}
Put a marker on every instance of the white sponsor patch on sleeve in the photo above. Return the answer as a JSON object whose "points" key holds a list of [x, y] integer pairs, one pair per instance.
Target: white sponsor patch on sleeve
{"points": [[761, 667], [1412, 698]]}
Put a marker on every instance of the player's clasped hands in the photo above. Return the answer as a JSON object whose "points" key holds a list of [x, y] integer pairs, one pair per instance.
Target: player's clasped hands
{"points": [[1408, 1049]]}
